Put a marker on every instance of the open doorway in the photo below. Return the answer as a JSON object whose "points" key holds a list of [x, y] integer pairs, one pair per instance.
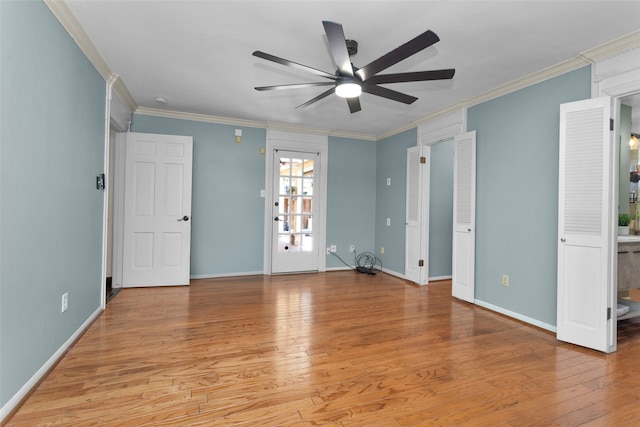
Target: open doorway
{"points": [[110, 290], [628, 248]]}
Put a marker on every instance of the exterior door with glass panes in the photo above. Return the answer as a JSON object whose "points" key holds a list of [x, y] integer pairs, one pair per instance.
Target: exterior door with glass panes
{"points": [[294, 247]]}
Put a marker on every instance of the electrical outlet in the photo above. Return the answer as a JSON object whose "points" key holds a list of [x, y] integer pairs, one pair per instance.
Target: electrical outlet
{"points": [[505, 280], [328, 250], [388, 222], [352, 249], [65, 302], [382, 249], [388, 181], [334, 248]]}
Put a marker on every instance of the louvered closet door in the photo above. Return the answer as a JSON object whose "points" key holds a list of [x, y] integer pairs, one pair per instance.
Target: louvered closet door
{"points": [[464, 217], [584, 225]]}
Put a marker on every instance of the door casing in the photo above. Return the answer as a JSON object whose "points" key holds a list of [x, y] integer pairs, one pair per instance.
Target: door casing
{"points": [[291, 141]]}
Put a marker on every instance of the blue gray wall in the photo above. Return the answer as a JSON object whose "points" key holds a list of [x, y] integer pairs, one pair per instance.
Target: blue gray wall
{"points": [[351, 198], [227, 231], [391, 162], [441, 209], [227, 210], [52, 144], [52, 135], [517, 194]]}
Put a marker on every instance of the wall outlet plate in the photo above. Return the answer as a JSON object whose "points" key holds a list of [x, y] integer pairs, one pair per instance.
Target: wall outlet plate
{"points": [[65, 302]]}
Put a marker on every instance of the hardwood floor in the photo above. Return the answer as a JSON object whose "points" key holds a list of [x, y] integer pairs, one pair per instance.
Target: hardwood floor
{"points": [[334, 349]]}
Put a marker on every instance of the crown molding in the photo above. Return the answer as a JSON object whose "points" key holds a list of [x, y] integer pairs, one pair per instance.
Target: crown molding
{"points": [[513, 86], [587, 57], [613, 48], [607, 50], [396, 131], [77, 33], [168, 114]]}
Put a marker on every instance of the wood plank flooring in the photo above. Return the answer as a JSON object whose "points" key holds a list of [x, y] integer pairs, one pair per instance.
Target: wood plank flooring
{"points": [[332, 349]]}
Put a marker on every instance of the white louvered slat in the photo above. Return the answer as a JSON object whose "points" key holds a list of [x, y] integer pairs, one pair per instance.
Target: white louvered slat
{"points": [[463, 184], [583, 173], [413, 185]]}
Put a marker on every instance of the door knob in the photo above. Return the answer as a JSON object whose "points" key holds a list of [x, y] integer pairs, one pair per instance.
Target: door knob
{"points": [[184, 218], [563, 240], [276, 219]]}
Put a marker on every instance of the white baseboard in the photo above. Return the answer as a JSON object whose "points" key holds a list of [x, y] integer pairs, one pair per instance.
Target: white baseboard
{"points": [[215, 276], [44, 369], [343, 268], [435, 279], [394, 273], [517, 316]]}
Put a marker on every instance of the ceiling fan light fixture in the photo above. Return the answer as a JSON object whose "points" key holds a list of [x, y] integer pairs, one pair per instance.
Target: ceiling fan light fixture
{"points": [[348, 90]]}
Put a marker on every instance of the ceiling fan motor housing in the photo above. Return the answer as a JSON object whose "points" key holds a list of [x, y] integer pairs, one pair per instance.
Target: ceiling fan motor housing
{"points": [[352, 47]]}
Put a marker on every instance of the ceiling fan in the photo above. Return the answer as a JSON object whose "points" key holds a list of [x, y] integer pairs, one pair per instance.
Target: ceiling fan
{"points": [[349, 81]]}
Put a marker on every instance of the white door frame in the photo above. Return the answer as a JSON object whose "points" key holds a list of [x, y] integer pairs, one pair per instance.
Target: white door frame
{"points": [[290, 141], [617, 87], [434, 131], [107, 189]]}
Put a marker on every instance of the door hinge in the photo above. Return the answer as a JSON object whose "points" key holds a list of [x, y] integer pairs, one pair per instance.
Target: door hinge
{"points": [[608, 313], [421, 263], [610, 124], [423, 159]]}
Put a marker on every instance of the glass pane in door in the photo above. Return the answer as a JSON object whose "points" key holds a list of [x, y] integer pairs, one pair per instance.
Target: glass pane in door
{"points": [[295, 205]]}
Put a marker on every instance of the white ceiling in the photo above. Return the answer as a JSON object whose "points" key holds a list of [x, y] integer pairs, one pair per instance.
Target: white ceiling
{"points": [[198, 54]]}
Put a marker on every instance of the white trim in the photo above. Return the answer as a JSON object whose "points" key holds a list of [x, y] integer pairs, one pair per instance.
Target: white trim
{"points": [[437, 278], [443, 127], [17, 398], [589, 56], [118, 209], [515, 315], [216, 276], [106, 191], [77, 33], [289, 141], [250, 123], [617, 85], [343, 268], [437, 129], [396, 274]]}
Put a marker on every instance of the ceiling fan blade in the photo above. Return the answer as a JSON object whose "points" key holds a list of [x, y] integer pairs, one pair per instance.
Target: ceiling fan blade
{"points": [[414, 45], [389, 94], [317, 98], [412, 77], [294, 86], [354, 104], [338, 45], [295, 65]]}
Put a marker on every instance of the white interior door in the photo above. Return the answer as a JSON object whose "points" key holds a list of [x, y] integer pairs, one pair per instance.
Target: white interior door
{"points": [[585, 225], [416, 267], [464, 217], [294, 244], [157, 210]]}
